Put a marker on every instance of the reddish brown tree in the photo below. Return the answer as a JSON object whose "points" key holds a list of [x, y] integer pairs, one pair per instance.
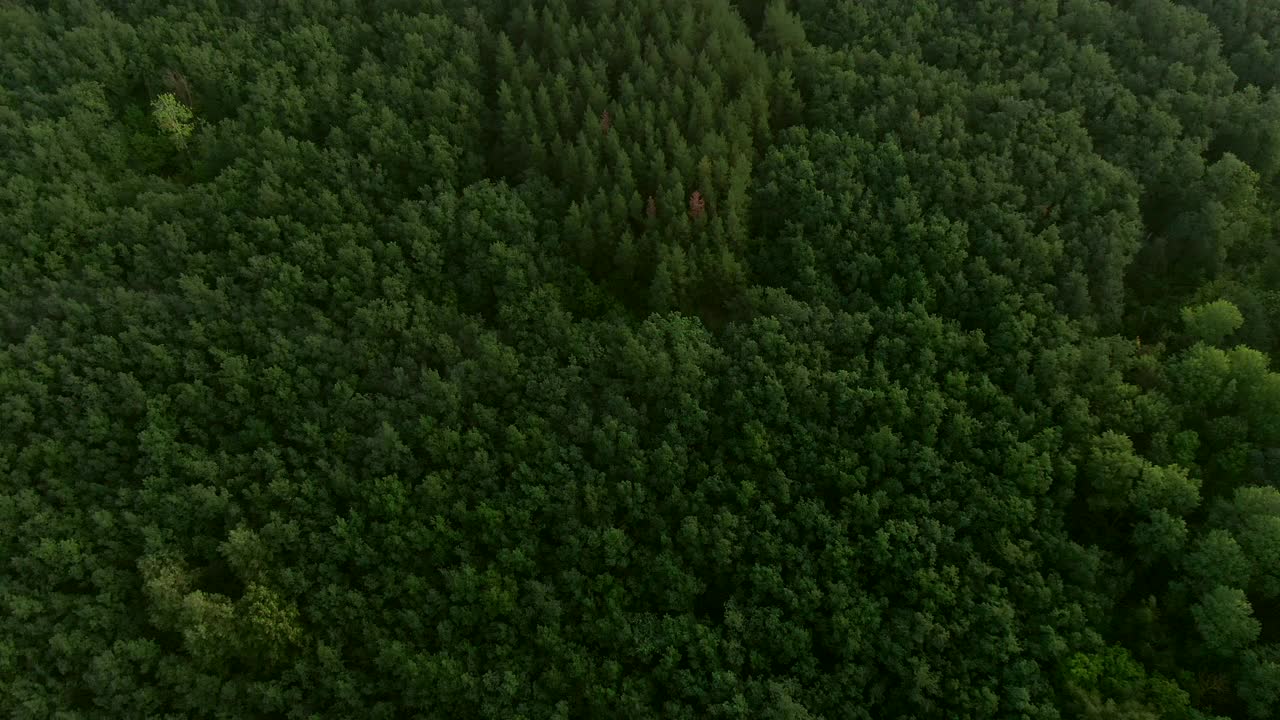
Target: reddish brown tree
{"points": [[177, 84], [606, 122], [697, 206], [651, 208]]}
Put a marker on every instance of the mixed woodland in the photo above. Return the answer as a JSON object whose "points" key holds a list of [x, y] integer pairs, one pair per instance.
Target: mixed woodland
{"points": [[761, 359]]}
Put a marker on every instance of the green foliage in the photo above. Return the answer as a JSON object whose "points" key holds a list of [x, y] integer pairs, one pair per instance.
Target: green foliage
{"points": [[1212, 322], [1225, 620], [1217, 560], [590, 358], [1111, 684], [1259, 684], [782, 30], [173, 118], [1253, 516]]}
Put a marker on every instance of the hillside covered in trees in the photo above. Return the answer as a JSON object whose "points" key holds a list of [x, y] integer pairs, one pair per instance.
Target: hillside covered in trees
{"points": [[768, 359]]}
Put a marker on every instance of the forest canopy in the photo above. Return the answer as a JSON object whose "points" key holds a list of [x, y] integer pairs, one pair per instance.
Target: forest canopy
{"points": [[787, 359]]}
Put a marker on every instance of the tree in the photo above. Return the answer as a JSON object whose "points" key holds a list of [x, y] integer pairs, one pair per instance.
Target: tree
{"points": [[1225, 620], [1253, 517], [1259, 685], [1212, 322], [1217, 560], [173, 118], [783, 31], [697, 206], [759, 358]]}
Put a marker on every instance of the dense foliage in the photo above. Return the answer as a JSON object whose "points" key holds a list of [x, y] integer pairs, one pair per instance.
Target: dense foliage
{"points": [[603, 358]]}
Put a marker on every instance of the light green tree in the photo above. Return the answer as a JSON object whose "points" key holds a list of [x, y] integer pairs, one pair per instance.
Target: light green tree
{"points": [[1212, 322], [173, 118]]}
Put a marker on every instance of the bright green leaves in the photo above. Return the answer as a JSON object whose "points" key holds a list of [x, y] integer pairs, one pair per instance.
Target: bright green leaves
{"points": [[1229, 397], [1212, 322], [269, 625], [260, 627], [174, 118], [1112, 684]]}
